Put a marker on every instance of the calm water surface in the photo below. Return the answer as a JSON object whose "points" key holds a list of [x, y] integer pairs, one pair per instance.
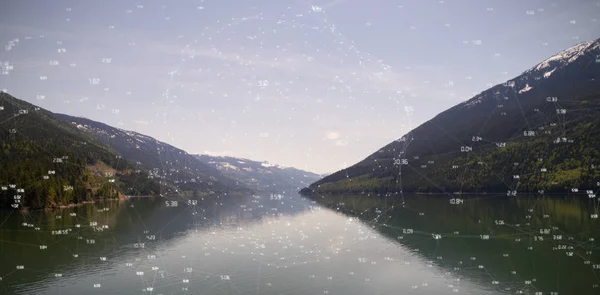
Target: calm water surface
{"points": [[294, 245]]}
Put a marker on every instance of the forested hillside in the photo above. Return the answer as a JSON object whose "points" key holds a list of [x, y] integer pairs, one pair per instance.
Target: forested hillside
{"points": [[46, 163]]}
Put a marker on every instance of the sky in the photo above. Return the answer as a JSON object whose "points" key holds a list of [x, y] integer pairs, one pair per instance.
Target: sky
{"points": [[316, 85]]}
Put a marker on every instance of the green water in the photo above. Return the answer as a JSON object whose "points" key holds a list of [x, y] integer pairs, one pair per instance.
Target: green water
{"points": [[294, 245]]}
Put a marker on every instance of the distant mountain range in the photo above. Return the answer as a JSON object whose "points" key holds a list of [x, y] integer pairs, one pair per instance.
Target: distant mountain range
{"points": [[49, 160], [261, 176], [537, 132], [163, 160]]}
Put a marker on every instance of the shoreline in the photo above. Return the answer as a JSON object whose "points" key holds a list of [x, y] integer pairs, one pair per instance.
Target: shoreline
{"points": [[72, 205]]}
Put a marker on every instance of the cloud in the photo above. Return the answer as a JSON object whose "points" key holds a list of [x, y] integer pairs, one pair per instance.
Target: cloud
{"points": [[358, 69], [335, 136], [140, 122], [332, 136], [360, 73], [341, 142]]}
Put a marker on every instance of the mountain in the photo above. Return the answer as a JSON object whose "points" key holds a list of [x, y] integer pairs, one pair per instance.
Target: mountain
{"points": [[538, 131], [261, 176], [188, 174], [47, 163]]}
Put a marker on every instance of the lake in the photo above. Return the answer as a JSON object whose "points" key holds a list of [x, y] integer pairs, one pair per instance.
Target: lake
{"points": [[414, 244]]}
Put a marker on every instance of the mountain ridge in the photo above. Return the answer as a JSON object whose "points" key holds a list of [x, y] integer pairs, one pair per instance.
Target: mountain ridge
{"points": [[508, 116], [170, 162], [50, 160], [46, 163]]}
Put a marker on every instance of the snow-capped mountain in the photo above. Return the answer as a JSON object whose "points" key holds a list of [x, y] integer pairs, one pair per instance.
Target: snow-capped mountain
{"points": [[546, 119], [261, 176], [579, 60], [565, 57]]}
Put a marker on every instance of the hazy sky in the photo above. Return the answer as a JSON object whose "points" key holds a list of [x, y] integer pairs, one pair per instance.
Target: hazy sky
{"points": [[318, 85]]}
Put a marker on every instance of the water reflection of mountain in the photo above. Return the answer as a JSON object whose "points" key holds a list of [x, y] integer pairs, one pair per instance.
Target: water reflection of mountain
{"points": [[100, 235], [533, 244]]}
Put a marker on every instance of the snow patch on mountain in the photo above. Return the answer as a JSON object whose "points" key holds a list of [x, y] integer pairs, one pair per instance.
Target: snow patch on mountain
{"points": [[266, 164], [566, 56], [225, 165], [547, 74], [525, 89]]}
